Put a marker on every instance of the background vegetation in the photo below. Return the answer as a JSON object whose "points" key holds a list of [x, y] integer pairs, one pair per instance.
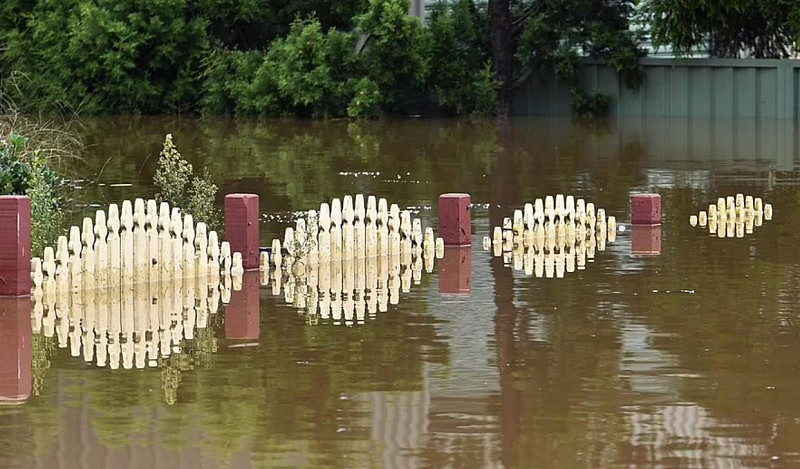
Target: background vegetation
{"points": [[356, 58], [33, 154], [306, 58]]}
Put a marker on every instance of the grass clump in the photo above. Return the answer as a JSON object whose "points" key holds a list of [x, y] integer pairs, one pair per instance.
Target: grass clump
{"points": [[30, 152], [176, 184]]}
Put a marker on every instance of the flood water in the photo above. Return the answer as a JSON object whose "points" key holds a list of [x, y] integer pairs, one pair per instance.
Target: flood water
{"points": [[687, 358]]}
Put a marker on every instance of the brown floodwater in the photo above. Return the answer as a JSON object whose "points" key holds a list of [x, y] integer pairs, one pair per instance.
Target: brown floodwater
{"points": [[687, 358]]}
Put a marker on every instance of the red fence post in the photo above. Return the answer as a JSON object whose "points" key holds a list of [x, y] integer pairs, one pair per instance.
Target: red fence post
{"points": [[16, 379], [243, 314], [645, 209], [455, 222], [455, 271], [646, 240], [15, 245], [242, 227]]}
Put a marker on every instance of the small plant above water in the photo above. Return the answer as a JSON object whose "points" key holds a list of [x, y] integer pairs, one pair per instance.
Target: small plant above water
{"points": [[176, 184]]}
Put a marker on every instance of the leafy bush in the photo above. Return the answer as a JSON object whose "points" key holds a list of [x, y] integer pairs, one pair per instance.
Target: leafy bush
{"points": [[306, 73], [397, 53], [367, 100], [310, 68], [461, 75], [595, 104], [103, 56], [175, 184], [24, 171]]}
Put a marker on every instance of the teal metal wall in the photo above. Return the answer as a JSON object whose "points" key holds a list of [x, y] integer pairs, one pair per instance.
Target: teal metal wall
{"points": [[741, 108], [726, 88]]}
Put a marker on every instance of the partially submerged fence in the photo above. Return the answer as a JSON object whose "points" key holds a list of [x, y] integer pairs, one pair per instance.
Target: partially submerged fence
{"points": [[550, 236]]}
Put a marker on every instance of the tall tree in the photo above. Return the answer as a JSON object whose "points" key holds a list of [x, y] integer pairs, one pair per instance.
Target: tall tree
{"points": [[528, 36], [726, 28]]}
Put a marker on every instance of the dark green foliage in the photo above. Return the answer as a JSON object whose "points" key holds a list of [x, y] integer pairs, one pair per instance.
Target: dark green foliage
{"points": [[107, 56], [297, 57], [308, 73], [317, 73], [397, 54], [25, 171], [367, 99], [593, 104], [727, 28], [540, 35], [148, 56], [252, 24], [561, 30], [461, 71], [309, 69]]}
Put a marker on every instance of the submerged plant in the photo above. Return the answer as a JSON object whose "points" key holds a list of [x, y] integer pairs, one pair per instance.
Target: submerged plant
{"points": [[176, 185]]}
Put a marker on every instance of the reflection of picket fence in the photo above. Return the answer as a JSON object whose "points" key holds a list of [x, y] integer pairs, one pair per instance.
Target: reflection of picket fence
{"points": [[143, 243], [129, 325], [551, 236], [349, 261]]}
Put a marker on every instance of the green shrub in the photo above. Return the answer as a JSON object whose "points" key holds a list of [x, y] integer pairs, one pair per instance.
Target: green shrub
{"points": [[366, 102], [25, 171], [595, 104], [104, 56], [174, 182], [310, 68], [397, 54], [461, 75]]}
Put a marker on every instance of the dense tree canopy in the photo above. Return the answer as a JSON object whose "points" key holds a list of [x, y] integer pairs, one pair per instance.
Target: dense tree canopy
{"points": [[527, 36], [726, 28], [311, 58]]}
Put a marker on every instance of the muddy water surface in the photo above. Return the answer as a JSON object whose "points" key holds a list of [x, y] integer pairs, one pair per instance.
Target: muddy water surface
{"points": [[687, 358]]}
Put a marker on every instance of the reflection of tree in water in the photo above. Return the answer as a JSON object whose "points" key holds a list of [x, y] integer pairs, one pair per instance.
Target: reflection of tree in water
{"points": [[557, 349], [42, 348], [293, 391], [295, 164]]}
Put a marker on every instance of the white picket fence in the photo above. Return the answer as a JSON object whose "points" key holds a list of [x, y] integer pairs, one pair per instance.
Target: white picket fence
{"points": [[733, 216], [551, 236], [351, 259], [132, 284], [144, 242]]}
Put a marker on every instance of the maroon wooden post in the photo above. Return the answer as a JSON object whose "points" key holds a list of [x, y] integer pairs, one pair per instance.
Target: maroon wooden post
{"points": [[646, 240], [15, 349], [15, 245], [455, 271], [242, 227], [242, 314], [645, 209], [455, 223]]}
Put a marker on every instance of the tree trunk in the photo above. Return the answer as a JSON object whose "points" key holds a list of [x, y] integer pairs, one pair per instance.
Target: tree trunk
{"points": [[502, 53]]}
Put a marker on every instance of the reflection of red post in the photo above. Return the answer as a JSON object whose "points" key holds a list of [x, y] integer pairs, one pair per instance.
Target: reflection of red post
{"points": [[242, 227], [15, 245], [455, 271], [15, 350], [645, 209], [646, 240], [455, 226], [242, 314]]}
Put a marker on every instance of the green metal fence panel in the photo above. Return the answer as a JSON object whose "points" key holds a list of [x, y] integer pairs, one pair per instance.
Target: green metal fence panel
{"points": [[729, 88]]}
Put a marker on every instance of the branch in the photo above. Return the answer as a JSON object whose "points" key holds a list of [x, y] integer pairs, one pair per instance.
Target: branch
{"points": [[520, 80], [518, 24]]}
